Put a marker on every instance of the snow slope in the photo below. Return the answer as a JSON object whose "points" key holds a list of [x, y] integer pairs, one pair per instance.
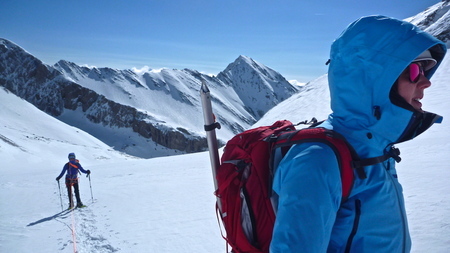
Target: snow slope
{"points": [[140, 205]]}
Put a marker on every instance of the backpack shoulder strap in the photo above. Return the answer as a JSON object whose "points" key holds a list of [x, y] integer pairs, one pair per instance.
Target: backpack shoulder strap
{"points": [[345, 154], [344, 144], [73, 165]]}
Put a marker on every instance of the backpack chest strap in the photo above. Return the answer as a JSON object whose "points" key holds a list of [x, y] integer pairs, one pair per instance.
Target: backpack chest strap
{"points": [[360, 164]]}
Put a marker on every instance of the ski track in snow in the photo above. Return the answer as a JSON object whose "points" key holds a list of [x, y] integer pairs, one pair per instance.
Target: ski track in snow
{"points": [[89, 238]]}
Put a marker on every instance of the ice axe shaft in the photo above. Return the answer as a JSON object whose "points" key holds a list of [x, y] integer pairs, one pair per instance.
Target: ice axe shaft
{"points": [[210, 128]]}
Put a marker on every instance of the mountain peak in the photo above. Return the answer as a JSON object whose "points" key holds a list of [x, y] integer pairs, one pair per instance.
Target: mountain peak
{"points": [[12, 52], [258, 86], [242, 59], [10, 45], [65, 64], [247, 64]]}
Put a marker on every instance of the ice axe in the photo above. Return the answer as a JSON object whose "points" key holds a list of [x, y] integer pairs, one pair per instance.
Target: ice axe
{"points": [[210, 128]]}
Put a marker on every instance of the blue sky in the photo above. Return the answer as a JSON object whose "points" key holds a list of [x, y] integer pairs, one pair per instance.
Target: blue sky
{"points": [[292, 37]]}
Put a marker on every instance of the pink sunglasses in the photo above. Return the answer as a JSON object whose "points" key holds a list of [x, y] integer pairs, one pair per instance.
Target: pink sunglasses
{"points": [[415, 70]]}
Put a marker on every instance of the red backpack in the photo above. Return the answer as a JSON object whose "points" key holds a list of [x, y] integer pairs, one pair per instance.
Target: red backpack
{"points": [[244, 179]]}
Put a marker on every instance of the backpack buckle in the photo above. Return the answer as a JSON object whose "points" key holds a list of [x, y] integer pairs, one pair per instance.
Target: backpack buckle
{"points": [[395, 153]]}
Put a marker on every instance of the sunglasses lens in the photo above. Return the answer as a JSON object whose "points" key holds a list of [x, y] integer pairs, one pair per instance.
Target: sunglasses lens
{"points": [[414, 72]]}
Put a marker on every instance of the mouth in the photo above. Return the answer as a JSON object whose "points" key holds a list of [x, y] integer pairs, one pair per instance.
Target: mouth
{"points": [[416, 103]]}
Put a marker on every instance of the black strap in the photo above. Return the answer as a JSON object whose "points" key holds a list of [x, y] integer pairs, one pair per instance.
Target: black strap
{"points": [[360, 164], [212, 126], [313, 122]]}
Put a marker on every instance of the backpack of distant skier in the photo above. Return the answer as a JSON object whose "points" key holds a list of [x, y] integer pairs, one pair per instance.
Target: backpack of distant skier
{"points": [[72, 173], [244, 179], [71, 165]]}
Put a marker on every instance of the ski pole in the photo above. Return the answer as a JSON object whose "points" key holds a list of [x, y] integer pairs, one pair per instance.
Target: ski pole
{"points": [[210, 126], [60, 197], [90, 186]]}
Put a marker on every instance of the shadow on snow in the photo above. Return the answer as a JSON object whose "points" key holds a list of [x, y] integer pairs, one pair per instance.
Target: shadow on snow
{"points": [[58, 215]]}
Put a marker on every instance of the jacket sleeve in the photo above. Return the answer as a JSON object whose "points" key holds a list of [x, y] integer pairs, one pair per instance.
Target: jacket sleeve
{"points": [[63, 171], [81, 168], [308, 186]]}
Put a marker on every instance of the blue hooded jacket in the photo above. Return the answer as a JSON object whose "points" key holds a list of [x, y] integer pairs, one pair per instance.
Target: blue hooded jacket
{"points": [[71, 169], [365, 62]]}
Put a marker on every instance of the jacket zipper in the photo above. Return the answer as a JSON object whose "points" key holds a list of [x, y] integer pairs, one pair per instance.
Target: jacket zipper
{"points": [[355, 225], [397, 191]]}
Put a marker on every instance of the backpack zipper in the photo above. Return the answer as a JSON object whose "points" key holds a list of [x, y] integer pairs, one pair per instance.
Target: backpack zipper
{"points": [[248, 218]]}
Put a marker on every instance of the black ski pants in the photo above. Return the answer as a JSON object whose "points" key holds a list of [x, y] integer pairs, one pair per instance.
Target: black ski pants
{"points": [[69, 184]]}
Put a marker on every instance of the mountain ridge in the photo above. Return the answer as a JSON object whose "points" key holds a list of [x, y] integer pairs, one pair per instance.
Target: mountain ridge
{"points": [[162, 106], [435, 20]]}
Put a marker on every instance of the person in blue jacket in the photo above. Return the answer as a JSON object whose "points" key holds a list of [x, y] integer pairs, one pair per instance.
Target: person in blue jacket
{"points": [[378, 70], [72, 169]]}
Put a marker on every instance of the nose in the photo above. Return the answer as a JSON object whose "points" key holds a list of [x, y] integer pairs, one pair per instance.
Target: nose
{"points": [[423, 82]]}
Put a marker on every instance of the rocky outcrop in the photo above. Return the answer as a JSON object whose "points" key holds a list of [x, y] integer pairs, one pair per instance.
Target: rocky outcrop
{"points": [[48, 90]]}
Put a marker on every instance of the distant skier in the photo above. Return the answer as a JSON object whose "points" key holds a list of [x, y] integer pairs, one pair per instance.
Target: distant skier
{"points": [[72, 168]]}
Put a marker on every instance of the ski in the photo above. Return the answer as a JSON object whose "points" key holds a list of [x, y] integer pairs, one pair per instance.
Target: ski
{"points": [[75, 207]]}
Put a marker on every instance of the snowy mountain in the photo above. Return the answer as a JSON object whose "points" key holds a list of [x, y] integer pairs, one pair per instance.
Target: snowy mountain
{"points": [[139, 108], [166, 204], [259, 87], [435, 20]]}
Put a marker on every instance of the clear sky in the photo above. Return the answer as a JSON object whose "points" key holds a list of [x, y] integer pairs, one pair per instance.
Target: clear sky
{"points": [[292, 37]]}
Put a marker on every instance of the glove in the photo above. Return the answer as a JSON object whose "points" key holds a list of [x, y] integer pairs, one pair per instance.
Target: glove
{"points": [[88, 172], [58, 178]]}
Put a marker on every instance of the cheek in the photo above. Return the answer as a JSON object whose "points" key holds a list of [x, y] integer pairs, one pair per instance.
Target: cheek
{"points": [[405, 89]]}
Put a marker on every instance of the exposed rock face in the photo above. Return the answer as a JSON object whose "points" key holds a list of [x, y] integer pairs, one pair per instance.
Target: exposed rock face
{"points": [[48, 90], [242, 93], [100, 110]]}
